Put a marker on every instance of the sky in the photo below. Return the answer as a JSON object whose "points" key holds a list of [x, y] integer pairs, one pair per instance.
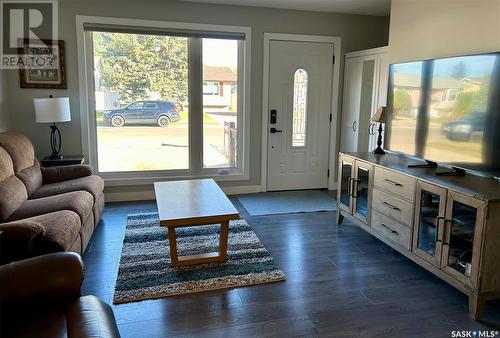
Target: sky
{"points": [[476, 65], [220, 52]]}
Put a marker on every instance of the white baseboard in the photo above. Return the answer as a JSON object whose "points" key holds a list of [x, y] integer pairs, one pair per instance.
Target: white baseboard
{"points": [[242, 189], [149, 195], [129, 196]]}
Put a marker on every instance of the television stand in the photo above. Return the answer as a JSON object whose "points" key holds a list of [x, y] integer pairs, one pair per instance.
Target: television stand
{"points": [[398, 203], [453, 172], [429, 164]]}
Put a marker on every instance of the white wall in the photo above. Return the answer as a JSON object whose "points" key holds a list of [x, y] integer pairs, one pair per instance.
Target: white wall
{"points": [[426, 29]]}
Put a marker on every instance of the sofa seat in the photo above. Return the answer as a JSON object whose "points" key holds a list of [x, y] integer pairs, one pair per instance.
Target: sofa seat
{"points": [[92, 184], [80, 202], [62, 230]]}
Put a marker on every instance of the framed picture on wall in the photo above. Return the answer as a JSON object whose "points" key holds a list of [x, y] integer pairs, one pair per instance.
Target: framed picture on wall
{"points": [[43, 64]]}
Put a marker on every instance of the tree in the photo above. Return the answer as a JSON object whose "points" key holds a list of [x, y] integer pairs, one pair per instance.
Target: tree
{"points": [[134, 65], [171, 77], [402, 102], [459, 71], [480, 99], [462, 105]]}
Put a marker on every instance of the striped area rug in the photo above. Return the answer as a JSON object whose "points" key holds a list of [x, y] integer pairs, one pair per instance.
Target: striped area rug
{"points": [[145, 271]]}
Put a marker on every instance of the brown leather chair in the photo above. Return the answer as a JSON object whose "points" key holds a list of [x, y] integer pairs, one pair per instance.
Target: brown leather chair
{"points": [[40, 297]]}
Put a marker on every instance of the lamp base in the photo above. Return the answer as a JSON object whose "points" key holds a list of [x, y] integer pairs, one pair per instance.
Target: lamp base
{"points": [[56, 157], [378, 151], [55, 142]]}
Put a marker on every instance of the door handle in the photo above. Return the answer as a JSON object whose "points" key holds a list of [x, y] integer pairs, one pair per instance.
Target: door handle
{"points": [[391, 206], [355, 187], [393, 182], [274, 130], [392, 231], [354, 125], [350, 188], [447, 232], [437, 239]]}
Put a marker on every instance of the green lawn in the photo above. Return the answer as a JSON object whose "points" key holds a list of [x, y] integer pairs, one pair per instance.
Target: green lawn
{"points": [[185, 119], [183, 115], [98, 116]]}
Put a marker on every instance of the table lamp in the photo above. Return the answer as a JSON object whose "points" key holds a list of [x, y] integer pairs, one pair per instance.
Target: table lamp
{"points": [[52, 110], [380, 117]]}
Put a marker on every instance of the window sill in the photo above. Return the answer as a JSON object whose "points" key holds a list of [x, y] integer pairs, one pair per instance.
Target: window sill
{"points": [[143, 178]]}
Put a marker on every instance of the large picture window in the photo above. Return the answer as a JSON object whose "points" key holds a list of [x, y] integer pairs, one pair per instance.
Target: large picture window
{"points": [[165, 104], [142, 111]]}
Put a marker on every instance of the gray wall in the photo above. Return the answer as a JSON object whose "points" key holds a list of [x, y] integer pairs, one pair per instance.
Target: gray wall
{"points": [[4, 113], [429, 29], [357, 32]]}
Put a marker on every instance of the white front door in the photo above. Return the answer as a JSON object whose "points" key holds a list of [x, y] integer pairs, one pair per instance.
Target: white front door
{"points": [[300, 96]]}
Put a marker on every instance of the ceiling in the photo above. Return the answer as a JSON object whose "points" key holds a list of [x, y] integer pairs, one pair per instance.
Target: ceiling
{"points": [[366, 7]]}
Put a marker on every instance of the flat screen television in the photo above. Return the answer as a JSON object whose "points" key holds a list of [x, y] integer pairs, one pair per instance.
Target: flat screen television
{"points": [[447, 111]]}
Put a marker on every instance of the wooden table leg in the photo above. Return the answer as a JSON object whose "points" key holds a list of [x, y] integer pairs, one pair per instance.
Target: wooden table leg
{"points": [[224, 230], [172, 241]]}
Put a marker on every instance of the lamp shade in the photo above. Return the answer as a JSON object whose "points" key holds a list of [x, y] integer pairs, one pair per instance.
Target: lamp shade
{"points": [[380, 115], [53, 109]]}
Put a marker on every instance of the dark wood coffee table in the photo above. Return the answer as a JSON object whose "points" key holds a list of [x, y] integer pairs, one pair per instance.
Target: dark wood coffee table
{"points": [[192, 203]]}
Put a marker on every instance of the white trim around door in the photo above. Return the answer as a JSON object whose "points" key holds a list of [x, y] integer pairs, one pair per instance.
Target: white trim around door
{"points": [[336, 41]]}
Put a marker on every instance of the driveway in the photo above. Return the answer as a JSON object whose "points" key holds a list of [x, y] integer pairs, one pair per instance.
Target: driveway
{"points": [[134, 148]]}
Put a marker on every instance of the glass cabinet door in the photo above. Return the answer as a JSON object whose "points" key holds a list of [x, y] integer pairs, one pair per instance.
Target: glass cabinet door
{"points": [[361, 191], [429, 222], [464, 219], [345, 177]]}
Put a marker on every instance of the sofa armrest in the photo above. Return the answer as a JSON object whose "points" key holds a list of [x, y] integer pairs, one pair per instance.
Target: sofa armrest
{"points": [[56, 276], [16, 239], [65, 173], [22, 230]]}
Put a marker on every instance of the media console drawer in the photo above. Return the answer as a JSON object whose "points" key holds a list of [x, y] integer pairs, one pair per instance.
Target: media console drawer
{"points": [[391, 229], [393, 206], [398, 184]]}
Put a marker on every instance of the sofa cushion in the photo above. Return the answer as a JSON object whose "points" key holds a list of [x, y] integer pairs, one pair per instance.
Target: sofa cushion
{"points": [[80, 202], [19, 148], [6, 165], [93, 184], [22, 153], [31, 177], [61, 230], [12, 195], [65, 173]]}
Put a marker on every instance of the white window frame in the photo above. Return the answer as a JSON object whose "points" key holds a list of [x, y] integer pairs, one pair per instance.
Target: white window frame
{"points": [[87, 111]]}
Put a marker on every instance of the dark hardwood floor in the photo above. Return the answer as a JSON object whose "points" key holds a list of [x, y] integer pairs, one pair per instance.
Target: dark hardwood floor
{"points": [[341, 282]]}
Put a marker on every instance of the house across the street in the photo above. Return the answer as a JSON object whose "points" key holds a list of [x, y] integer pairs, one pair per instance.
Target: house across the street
{"points": [[219, 84]]}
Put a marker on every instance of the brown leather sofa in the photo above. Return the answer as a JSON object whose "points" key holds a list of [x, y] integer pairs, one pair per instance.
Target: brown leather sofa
{"points": [[40, 297], [44, 210]]}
